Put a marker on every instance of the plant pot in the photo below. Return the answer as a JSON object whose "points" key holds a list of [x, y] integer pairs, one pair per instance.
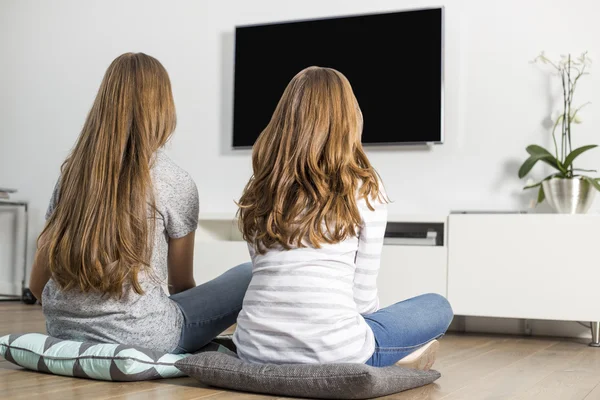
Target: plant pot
{"points": [[569, 196]]}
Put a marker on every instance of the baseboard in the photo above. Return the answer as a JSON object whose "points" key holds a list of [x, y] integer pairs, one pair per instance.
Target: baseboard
{"points": [[510, 326]]}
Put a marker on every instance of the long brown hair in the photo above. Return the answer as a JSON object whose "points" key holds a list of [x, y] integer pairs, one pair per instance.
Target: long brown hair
{"points": [[309, 167], [99, 236]]}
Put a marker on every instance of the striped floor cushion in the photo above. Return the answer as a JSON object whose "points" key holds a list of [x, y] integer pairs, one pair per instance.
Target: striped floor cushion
{"points": [[108, 362]]}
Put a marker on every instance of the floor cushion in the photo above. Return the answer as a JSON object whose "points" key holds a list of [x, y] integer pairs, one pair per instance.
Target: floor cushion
{"points": [[108, 362], [325, 381]]}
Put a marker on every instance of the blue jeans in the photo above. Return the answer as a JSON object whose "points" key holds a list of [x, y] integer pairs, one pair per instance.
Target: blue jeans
{"points": [[211, 308], [403, 327]]}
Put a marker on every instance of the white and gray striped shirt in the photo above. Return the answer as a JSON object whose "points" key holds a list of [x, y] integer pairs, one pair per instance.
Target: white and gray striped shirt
{"points": [[305, 305]]}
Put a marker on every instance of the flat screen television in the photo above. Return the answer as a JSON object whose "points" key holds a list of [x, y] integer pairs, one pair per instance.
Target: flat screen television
{"points": [[394, 62]]}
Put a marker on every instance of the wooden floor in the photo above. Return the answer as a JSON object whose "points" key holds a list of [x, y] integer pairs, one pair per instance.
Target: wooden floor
{"points": [[473, 367]]}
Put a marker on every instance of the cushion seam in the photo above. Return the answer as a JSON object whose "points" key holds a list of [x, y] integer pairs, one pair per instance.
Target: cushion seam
{"points": [[87, 357], [360, 374]]}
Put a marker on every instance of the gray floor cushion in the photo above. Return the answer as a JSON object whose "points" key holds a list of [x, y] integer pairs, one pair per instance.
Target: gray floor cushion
{"points": [[326, 381]]}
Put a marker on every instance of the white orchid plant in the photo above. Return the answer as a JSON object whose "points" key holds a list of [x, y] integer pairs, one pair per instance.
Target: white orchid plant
{"points": [[569, 70]]}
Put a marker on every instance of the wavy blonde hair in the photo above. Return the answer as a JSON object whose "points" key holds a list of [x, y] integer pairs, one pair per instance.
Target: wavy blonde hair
{"points": [[98, 237], [309, 167]]}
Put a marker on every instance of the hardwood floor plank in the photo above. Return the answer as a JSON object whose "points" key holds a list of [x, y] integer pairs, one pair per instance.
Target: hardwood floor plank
{"points": [[5, 365], [594, 394], [521, 375], [21, 318], [180, 388], [576, 380], [588, 360], [56, 391], [454, 350], [229, 395], [464, 373], [563, 385], [37, 385]]}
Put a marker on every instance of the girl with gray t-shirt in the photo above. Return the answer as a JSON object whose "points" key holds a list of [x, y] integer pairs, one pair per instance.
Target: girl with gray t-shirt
{"points": [[120, 226]]}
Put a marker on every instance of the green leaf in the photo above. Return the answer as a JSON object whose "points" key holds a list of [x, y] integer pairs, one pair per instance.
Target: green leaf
{"points": [[541, 195], [584, 170], [531, 161], [554, 163], [534, 149], [575, 153], [546, 156], [532, 186], [542, 181], [527, 166], [594, 182]]}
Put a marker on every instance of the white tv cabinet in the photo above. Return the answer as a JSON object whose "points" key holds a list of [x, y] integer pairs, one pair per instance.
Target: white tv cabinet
{"points": [[525, 266], [529, 266]]}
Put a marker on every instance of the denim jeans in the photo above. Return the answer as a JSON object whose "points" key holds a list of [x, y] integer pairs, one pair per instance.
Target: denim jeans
{"points": [[403, 327], [211, 308]]}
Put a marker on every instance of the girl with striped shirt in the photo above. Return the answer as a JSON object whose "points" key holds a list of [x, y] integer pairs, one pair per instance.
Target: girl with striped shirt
{"points": [[314, 215]]}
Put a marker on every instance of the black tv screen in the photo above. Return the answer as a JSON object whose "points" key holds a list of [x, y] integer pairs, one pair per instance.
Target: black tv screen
{"points": [[394, 62]]}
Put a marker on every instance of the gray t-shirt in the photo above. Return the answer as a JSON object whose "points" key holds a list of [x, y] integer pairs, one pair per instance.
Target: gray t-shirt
{"points": [[150, 320]]}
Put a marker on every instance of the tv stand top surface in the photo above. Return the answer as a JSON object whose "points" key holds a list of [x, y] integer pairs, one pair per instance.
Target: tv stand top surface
{"points": [[410, 218]]}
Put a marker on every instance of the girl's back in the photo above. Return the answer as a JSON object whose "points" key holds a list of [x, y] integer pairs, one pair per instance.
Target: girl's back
{"points": [[314, 217], [151, 320], [304, 305], [119, 205]]}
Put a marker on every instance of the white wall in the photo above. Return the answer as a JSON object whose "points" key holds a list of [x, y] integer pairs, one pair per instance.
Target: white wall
{"points": [[53, 56]]}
